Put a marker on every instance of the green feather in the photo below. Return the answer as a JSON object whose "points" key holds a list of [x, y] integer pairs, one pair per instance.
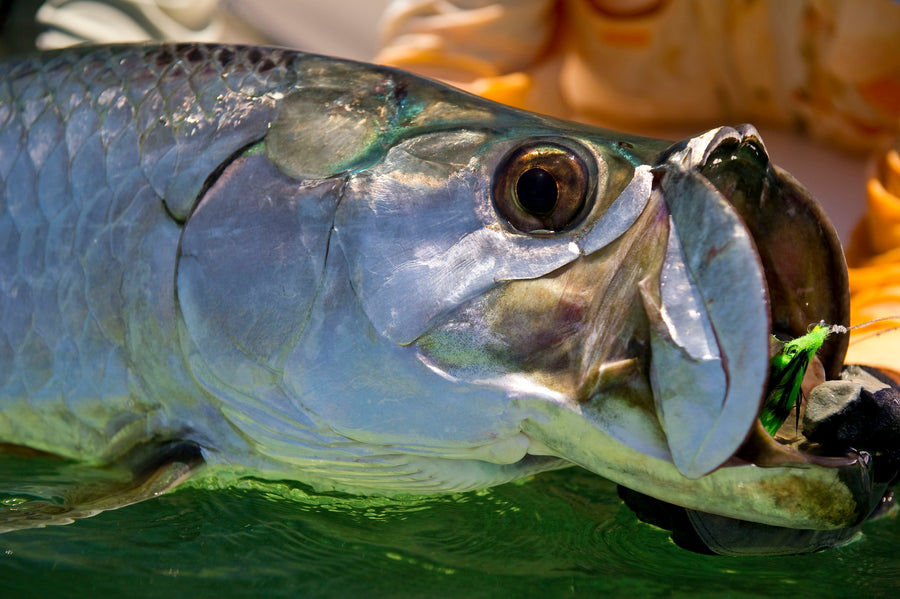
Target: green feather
{"points": [[786, 372]]}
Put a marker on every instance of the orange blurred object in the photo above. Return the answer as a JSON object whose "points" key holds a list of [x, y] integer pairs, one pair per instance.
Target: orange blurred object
{"points": [[874, 260]]}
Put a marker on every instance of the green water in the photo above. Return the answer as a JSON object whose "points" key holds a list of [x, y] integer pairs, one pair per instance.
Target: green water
{"points": [[561, 534]]}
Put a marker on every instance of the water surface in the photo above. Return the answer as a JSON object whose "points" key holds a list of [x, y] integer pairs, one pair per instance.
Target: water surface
{"points": [[560, 534]]}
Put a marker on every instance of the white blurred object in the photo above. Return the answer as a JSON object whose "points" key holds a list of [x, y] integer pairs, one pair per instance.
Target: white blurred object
{"points": [[107, 21], [345, 28]]}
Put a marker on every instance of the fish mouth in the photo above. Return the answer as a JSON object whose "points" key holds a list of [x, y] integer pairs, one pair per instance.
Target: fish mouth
{"points": [[800, 252], [799, 255], [805, 282], [729, 251], [803, 264]]}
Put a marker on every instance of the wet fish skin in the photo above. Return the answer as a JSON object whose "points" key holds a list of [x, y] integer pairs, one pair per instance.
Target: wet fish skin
{"points": [[102, 157], [223, 245]]}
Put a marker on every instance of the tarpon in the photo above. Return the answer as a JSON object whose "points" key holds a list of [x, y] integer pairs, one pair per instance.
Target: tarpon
{"points": [[296, 267]]}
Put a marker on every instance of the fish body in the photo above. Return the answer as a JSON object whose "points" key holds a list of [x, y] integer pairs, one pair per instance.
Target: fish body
{"points": [[344, 274]]}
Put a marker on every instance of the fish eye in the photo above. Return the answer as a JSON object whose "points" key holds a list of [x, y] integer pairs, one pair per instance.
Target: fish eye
{"points": [[542, 187]]}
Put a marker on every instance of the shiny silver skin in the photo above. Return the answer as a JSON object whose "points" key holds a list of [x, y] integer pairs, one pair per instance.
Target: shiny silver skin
{"points": [[296, 263]]}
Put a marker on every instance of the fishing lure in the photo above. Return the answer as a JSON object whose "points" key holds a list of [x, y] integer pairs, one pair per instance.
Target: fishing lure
{"points": [[786, 372], [787, 368]]}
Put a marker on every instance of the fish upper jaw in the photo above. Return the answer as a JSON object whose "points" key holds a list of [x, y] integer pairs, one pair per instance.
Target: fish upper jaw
{"points": [[708, 310]]}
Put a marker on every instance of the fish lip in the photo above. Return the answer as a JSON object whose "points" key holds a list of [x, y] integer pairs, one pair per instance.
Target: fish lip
{"points": [[763, 450], [695, 152]]}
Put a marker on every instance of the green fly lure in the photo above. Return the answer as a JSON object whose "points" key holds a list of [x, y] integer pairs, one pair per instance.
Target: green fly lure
{"points": [[786, 372], [788, 366]]}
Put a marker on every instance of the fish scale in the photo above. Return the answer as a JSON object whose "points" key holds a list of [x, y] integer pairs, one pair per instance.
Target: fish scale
{"points": [[95, 255]]}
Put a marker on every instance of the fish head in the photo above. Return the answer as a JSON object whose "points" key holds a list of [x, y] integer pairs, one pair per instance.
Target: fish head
{"points": [[619, 293], [501, 286]]}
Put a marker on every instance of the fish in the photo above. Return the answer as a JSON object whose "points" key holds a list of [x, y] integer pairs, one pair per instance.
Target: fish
{"points": [[250, 261]]}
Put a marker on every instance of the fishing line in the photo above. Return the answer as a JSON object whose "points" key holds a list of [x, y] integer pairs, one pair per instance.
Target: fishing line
{"points": [[836, 328]]}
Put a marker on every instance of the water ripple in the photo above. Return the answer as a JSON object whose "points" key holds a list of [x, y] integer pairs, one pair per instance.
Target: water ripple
{"points": [[560, 534]]}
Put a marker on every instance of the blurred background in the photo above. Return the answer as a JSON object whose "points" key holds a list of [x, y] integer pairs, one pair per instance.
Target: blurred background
{"points": [[345, 28], [351, 29]]}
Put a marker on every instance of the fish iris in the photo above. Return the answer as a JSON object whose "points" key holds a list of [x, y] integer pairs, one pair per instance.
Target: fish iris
{"points": [[543, 187]]}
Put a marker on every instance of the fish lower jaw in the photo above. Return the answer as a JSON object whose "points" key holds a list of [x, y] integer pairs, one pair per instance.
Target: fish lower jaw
{"points": [[762, 450]]}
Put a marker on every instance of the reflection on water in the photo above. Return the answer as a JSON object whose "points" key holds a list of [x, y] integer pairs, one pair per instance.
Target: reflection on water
{"points": [[560, 534]]}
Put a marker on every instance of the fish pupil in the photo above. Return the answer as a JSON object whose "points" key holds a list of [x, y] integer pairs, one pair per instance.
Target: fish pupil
{"points": [[537, 191]]}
